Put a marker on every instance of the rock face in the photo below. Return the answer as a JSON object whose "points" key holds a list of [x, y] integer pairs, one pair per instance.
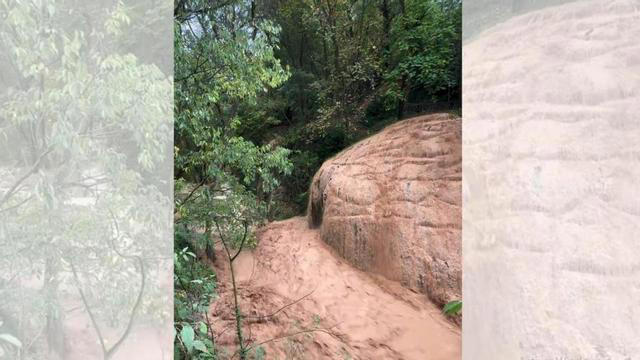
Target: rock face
{"points": [[391, 204]]}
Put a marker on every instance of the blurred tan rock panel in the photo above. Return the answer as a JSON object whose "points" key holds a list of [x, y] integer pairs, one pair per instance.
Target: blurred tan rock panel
{"points": [[551, 143]]}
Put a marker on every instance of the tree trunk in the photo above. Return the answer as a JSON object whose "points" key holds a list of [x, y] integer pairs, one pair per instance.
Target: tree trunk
{"points": [[54, 313], [401, 101], [386, 29]]}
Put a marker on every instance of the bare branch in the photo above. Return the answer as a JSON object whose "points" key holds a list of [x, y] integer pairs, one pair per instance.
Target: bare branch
{"points": [[263, 317], [136, 306], [87, 307], [326, 330], [244, 237], [108, 353], [7, 195], [16, 205], [191, 193]]}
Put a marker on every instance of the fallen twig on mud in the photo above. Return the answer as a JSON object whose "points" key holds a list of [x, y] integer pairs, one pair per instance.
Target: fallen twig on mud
{"points": [[326, 330], [263, 317]]}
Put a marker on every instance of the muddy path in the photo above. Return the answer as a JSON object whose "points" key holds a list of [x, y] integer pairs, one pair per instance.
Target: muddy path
{"points": [[334, 310]]}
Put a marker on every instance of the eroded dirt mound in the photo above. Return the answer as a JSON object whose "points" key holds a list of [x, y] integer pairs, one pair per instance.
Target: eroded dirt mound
{"points": [[391, 204], [323, 308]]}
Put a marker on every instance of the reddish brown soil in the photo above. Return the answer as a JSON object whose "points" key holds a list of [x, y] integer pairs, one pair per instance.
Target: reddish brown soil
{"points": [[335, 310]]}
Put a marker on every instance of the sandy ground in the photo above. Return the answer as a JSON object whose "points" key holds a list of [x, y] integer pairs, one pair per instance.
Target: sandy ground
{"points": [[336, 311], [551, 166]]}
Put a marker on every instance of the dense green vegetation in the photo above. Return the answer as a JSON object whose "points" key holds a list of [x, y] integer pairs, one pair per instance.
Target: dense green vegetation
{"points": [[84, 125], [265, 91], [354, 66]]}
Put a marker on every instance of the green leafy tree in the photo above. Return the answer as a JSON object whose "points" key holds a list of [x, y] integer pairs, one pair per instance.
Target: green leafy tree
{"points": [[224, 60], [85, 126], [355, 65], [425, 53]]}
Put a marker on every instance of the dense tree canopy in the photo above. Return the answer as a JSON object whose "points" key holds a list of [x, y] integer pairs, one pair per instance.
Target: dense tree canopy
{"points": [[355, 65]]}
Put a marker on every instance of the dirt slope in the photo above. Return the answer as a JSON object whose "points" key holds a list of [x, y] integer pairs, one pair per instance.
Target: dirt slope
{"points": [[357, 315]]}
